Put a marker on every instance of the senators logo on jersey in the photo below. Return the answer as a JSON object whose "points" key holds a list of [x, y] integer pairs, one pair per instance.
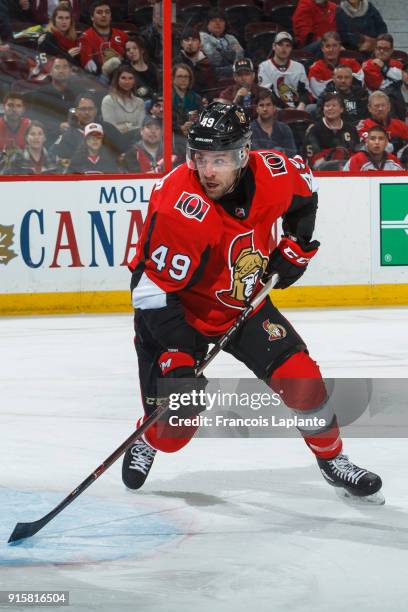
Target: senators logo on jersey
{"points": [[274, 330], [274, 162], [192, 206], [247, 267]]}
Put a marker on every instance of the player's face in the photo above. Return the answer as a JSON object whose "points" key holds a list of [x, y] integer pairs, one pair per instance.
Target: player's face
{"points": [[283, 49], [102, 16], [62, 21], [132, 51], [126, 82], [376, 143], [190, 45], [244, 78], [379, 108], [36, 138], [265, 109], [343, 79], [332, 110], [331, 50], [383, 50], [217, 172]]}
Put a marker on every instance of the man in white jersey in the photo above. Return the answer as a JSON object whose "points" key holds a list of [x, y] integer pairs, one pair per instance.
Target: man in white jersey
{"points": [[285, 77]]}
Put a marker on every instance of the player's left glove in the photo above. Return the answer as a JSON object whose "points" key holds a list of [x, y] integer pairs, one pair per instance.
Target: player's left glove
{"points": [[289, 260]]}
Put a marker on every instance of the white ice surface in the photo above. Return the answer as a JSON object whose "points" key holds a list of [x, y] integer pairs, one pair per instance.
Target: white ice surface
{"points": [[224, 525]]}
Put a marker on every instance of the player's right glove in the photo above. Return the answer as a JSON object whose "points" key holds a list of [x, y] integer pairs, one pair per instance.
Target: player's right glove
{"points": [[289, 260], [178, 368]]}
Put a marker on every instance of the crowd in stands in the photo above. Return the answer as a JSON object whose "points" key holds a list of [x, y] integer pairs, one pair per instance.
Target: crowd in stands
{"points": [[81, 82]]}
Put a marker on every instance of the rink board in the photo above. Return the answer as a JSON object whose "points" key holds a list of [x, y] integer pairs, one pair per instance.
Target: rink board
{"points": [[64, 244]]}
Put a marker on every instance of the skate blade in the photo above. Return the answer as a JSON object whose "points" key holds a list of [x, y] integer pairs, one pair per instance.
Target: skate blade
{"points": [[377, 499]]}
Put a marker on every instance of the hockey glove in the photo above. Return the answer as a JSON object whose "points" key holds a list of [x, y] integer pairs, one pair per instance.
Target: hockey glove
{"points": [[290, 260], [178, 370]]}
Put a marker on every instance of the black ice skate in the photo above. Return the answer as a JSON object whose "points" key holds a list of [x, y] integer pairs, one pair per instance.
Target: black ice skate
{"points": [[136, 465], [351, 480]]}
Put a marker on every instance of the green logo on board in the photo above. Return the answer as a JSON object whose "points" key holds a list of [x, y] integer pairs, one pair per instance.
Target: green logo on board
{"points": [[394, 224]]}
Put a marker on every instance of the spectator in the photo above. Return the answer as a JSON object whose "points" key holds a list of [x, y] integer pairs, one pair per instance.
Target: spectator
{"points": [[321, 72], [156, 106], [152, 33], [375, 156], [359, 24], [330, 138], [136, 56], [245, 91], [92, 157], [42, 10], [398, 94], [382, 71], [60, 38], [312, 19], [147, 155], [267, 133], [121, 107], [221, 48], [50, 103], [186, 102], [284, 77], [6, 31], [352, 93], [191, 54], [13, 125], [33, 159], [85, 112], [379, 108], [102, 47]]}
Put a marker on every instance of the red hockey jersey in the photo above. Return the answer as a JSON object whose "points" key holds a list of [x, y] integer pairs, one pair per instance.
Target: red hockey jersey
{"points": [[377, 78], [395, 128], [320, 73], [362, 162], [210, 258], [100, 48]]}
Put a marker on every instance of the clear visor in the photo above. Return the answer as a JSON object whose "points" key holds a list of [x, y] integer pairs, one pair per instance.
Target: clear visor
{"points": [[197, 159]]}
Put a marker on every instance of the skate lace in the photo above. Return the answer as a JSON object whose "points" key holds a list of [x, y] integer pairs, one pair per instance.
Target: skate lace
{"points": [[345, 469], [142, 457]]}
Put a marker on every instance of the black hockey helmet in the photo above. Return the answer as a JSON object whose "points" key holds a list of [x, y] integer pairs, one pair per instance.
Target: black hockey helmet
{"points": [[220, 127]]}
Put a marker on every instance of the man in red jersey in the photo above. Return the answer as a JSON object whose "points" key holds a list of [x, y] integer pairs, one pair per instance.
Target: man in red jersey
{"points": [[202, 254], [101, 43]]}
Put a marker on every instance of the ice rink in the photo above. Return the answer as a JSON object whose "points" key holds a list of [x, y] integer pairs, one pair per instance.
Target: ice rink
{"points": [[225, 524]]}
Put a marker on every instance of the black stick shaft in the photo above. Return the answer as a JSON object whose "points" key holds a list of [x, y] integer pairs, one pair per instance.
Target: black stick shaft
{"points": [[26, 530]]}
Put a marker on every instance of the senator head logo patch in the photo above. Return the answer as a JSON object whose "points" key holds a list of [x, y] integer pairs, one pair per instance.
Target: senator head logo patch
{"points": [[247, 266], [192, 206], [274, 330]]}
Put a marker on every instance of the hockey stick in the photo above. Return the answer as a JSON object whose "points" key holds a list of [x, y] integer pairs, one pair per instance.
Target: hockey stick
{"points": [[26, 530]]}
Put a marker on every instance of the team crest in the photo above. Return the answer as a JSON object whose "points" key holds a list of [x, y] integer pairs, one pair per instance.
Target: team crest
{"points": [[192, 206], [247, 267], [274, 162], [274, 330]]}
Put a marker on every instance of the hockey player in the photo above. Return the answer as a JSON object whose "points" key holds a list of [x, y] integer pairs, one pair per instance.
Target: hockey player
{"points": [[202, 253]]}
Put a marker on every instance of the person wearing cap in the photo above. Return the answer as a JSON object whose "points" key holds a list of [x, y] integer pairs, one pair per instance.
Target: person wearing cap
{"points": [[221, 48], [146, 156], [244, 91], [285, 77], [156, 106], [92, 157], [191, 54], [85, 111]]}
